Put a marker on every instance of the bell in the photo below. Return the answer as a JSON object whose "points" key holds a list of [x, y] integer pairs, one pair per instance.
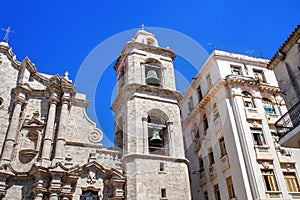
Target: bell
{"points": [[156, 140], [152, 78]]}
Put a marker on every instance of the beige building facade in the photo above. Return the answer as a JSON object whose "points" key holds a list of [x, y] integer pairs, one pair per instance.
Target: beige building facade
{"points": [[228, 115]]}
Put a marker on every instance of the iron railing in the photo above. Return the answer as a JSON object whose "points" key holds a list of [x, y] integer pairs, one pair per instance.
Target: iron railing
{"points": [[289, 121]]}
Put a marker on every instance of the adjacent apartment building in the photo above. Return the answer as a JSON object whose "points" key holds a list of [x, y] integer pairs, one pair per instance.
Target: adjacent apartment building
{"points": [[228, 117], [286, 66]]}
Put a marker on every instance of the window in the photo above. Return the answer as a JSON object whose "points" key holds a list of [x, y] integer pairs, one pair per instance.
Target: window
{"points": [[258, 137], [259, 75], [230, 187], [152, 75], [248, 99], [205, 195], [205, 123], [163, 192], [211, 157], [161, 167], [191, 104], [216, 111], [208, 81], [222, 147], [200, 97], [269, 180], [291, 181], [217, 192], [89, 195], [196, 131], [201, 165], [236, 70], [268, 106]]}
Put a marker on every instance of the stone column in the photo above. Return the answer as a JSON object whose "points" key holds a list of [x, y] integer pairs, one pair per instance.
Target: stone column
{"points": [[145, 135], [12, 130], [60, 142], [170, 150], [53, 196], [49, 133], [55, 187]]}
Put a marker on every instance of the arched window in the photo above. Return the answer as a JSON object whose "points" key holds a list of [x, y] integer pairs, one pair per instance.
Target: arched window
{"points": [[268, 106], [248, 99], [153, 74], [158, 139], [89, 195]]}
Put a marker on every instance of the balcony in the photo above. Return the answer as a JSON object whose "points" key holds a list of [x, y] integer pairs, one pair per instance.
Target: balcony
{"points": [[202, 178], [212, 172], [225, 163], [288, 127]]}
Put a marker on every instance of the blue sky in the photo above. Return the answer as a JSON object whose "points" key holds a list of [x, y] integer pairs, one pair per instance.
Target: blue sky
{"points": [[58, 35]]}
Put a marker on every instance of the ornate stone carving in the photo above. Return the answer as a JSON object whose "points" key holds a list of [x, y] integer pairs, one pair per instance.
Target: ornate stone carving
{"points": [[91, 179], [95, 137]]}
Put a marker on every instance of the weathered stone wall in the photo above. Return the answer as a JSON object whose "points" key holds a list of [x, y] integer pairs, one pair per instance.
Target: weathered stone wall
{"points": [[145, 180], [288, 76]]}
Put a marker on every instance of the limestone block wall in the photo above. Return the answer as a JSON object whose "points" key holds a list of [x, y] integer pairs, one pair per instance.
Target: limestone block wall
{"points": [[8, 79], [145, 179]]}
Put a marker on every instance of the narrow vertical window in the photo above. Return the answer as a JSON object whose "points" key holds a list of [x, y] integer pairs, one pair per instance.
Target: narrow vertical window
{"points": [[161, 167], [216, 111], [201, 165], [217, 192], [211, 157], [269, 180], [200, 97], [291, 181], [222, 147], [163, 192], [230, 187], [258, 137], [205, 123]]}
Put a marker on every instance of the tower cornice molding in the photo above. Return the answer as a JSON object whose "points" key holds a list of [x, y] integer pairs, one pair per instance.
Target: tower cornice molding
{"points": [[131, 46]]}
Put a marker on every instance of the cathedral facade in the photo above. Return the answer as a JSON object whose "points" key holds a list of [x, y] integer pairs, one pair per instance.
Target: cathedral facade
{"points": [[50, 149]]}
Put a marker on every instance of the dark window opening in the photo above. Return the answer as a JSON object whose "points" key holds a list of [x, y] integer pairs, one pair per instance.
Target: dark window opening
{"points": [[89, 195], [163, 192]]}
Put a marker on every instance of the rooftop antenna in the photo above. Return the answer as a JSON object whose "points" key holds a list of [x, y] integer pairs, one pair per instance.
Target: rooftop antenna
{"points": [[7, 32], [213, 45], [249, 52]]}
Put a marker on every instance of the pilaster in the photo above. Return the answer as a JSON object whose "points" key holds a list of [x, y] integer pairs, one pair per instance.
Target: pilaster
{"points": [[13, 129]]}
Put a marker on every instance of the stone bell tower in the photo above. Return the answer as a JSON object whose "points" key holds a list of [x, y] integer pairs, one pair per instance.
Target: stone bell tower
{"points": [[147, 122]]}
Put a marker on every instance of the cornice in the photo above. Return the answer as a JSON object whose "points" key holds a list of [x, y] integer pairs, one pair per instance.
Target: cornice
{"points": [[285, 47], [131, 46]]}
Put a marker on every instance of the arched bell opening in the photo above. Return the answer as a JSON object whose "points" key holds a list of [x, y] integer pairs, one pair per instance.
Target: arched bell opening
{"points": [[153, 73], [158, 136]]}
